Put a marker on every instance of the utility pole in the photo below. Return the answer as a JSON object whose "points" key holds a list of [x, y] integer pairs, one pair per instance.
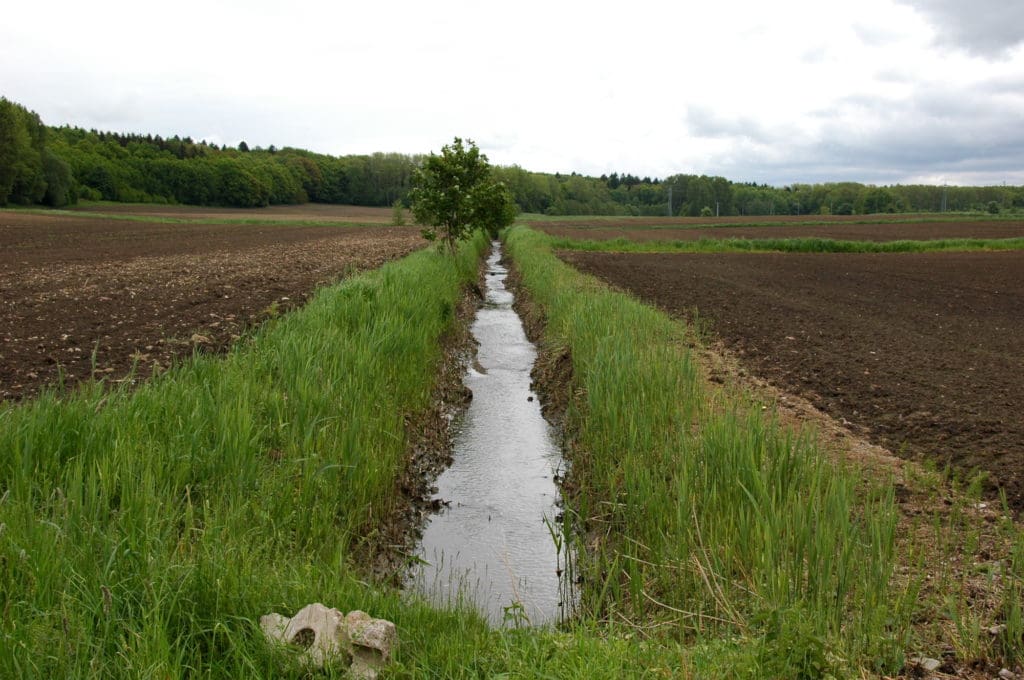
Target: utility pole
{"points": [[943, 198], [716, 208], [670, 200]]}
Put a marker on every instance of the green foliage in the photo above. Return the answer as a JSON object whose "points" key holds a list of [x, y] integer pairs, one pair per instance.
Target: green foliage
{"points": [[397, 213], [22, 138], [132, 167], [60, 185], [456, 192]]}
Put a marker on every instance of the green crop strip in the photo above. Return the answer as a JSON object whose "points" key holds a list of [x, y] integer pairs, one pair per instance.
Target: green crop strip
{"points": [[786, 245], [643, 222], [708, 515]]}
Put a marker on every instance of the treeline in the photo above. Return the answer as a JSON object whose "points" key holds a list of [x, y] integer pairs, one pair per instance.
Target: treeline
{"points": [[696, 195], [58, 166]]}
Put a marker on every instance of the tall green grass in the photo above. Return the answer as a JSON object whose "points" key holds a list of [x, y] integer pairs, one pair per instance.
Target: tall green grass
{"points": [[700, 511], [142, 533], [785, 245]]}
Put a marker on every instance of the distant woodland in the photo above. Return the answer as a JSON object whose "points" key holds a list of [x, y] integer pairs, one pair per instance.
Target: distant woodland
{"points": [[57, 166]]}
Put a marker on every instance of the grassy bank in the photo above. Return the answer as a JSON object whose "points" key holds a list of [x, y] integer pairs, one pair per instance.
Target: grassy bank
{"points": [[710, 522], [143, 533], [785, 245]]}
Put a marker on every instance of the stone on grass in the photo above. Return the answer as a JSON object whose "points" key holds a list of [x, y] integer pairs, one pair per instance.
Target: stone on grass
{"points": [[926, 663], [357, 640], [370, 642]]}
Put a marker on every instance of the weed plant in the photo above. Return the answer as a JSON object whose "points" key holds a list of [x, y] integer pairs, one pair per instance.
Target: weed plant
{"points": [[700, 511]]}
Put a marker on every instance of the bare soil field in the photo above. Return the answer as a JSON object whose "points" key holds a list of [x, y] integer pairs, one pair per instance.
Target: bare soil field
{"points": [[318, 212], [143, 294], [685, 222], [880, 231], [923, 353]]}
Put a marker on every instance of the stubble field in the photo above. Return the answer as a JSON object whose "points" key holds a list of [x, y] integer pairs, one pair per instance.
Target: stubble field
{"points": [[92, 296]]}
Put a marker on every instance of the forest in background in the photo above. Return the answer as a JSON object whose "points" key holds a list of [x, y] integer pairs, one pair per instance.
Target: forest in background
{"points": [[57, 166]]}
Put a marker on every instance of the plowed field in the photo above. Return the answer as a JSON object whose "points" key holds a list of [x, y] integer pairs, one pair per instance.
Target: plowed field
{"points": [[307, 212], [86, 296], [922, 352], [841, 230]]}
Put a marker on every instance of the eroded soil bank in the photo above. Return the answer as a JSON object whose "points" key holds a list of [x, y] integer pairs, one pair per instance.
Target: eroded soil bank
{"points": [[922, 352]]}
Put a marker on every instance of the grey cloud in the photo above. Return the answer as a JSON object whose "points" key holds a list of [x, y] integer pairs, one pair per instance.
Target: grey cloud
{"points": [[703, 121], [988, 28], [957, 133]]}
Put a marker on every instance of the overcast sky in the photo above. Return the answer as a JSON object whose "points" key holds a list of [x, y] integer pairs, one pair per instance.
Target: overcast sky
{"points": [[880, 91]]}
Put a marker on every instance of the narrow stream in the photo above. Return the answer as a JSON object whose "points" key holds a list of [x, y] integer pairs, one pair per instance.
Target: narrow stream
{"points": [[492, 543]]}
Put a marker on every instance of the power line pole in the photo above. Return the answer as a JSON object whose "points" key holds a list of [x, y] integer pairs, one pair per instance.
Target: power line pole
{"points": [[670, 200]]}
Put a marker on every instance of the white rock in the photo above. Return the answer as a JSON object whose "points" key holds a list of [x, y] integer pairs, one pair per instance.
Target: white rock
{"points": [[316, 628], [927, 663], [370, 642], [330, 637]]}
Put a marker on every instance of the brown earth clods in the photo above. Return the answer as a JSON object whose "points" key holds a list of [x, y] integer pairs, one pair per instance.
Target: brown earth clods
{"points": [[305, 212], [923, 352], [840, 230], [84, 297]]}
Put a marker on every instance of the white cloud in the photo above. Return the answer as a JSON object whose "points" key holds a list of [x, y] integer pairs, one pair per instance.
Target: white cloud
{"points": [[779, 92]]}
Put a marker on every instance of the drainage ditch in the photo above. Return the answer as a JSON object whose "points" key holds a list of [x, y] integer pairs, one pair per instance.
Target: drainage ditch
{"points": [[496, 543]]}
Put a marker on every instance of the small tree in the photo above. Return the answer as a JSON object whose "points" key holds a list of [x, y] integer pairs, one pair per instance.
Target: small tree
{"points": [[397, 213], [456, 193]]}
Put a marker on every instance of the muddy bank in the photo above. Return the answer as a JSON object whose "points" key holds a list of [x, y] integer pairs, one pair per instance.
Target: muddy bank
{"points": [[390, 544]]}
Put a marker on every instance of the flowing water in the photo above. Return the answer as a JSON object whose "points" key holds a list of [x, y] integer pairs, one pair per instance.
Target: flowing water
{"points": [[494, 542]]}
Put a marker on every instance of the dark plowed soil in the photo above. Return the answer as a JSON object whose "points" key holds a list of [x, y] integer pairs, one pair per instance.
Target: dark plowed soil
{"points": [[915, 231], [91, 297], [923, 352], [306, 212]]}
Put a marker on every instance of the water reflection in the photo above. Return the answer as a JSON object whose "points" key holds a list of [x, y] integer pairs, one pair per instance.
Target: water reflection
{"points": [[494, 543]]}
